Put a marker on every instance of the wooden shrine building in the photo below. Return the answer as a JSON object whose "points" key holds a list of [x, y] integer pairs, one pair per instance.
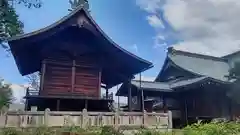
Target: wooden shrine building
{"points": [[193, 86], [75, 59]]}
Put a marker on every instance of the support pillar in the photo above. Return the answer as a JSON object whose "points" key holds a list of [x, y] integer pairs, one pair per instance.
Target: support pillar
{"points": [[106, 93], [129, 96], [164, 104], [43, 70], [86, 104], [26, 101], [139, 100], [142, 95], [58, 105]]}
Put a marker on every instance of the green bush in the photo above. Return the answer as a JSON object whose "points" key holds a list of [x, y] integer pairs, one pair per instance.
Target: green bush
{"points": [[230, 128], [42, 131], [107, 130], [11, 131]]}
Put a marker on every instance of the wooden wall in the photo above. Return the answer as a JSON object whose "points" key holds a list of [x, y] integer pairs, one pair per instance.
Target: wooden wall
{"points": [[206, 103], [68, 77]]}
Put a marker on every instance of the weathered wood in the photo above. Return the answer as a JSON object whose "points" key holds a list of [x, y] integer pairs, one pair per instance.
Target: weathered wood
{"points": [[71, 77]]}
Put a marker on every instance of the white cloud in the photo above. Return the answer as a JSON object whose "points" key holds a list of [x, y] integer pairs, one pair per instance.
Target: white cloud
{"points": [[154, 21], [159, 42], [150, 5], [135, 48], [205, 26]]}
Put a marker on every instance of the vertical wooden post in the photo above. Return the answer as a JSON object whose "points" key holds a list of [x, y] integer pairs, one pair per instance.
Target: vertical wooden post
{"points": [[73, 76], [170, 124], [118, 100], [230, 108], [58, 105], [142, 95], [86, 104], [129, 96], [6, 121], [145, 118], [46, 116], [99, 83], [19, 119], [43, 70], [164, 104], [33, 119], [84, 118], [186, 111], [26, 102], [116, 119], [106, 93]]}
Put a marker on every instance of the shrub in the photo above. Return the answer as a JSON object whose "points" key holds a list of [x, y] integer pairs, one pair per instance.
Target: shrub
{"points": [[11, 131], [230, 128], [43, 130], [107, 130]]}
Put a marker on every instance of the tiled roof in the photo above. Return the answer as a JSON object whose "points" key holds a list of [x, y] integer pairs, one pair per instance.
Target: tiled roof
{"points": [[216, 68], [159, 86]]}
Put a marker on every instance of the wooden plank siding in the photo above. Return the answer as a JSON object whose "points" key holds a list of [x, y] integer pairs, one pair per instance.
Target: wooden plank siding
{"points": [[206, 103], [68, 77]]}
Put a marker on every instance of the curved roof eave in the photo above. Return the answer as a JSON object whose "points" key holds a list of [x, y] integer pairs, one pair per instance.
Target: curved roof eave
{"points": [[65, 18], [115, 44], [45, 29]]}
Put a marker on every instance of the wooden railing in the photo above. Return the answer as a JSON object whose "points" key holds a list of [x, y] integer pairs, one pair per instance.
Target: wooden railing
{"points": [[86, 119], [33, 92]]}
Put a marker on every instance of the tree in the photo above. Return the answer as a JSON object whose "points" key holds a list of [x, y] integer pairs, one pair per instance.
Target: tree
{"points": [[10, 25], [34, 80], [6, 95], [234, 74]]}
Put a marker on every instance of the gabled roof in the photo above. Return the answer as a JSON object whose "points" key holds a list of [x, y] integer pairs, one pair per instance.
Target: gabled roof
{"points": [[146, 85], [231, 54], [159, 86], [166, 87], [22, 46], [200, 65]]}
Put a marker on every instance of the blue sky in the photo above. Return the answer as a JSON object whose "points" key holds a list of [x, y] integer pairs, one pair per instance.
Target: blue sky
{"points": [[146, 27], [122, 20]]}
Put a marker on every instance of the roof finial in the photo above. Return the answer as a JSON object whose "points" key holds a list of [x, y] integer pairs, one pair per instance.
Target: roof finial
{"points": [[75, 3]]}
